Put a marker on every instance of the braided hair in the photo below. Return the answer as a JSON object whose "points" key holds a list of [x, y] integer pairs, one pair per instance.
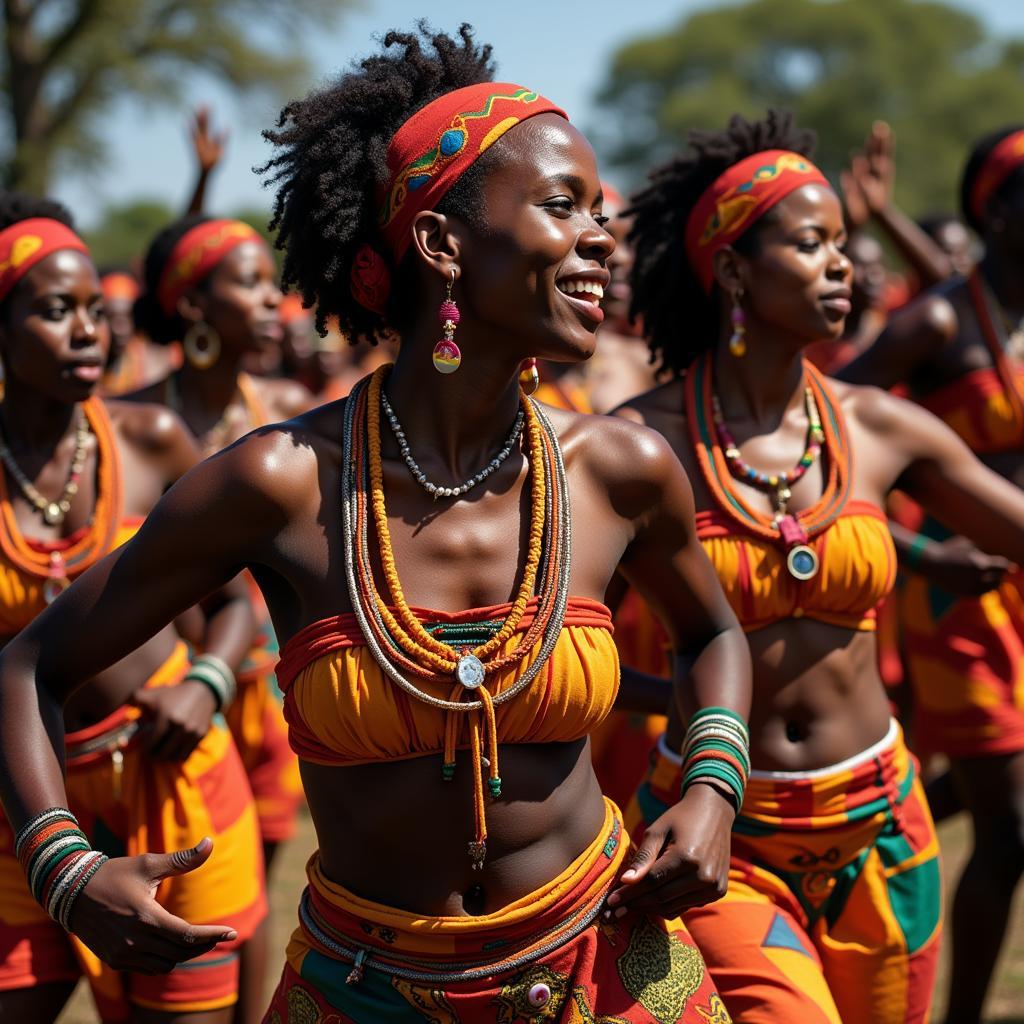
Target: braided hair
{"points": [[331, 159], [979, 155], [662, 279]]}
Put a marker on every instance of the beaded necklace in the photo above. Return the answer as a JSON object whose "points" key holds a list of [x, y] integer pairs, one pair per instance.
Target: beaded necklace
{"points": [[56, 563], [983, 301], [215, 438], [794, 530], [402, 646]]}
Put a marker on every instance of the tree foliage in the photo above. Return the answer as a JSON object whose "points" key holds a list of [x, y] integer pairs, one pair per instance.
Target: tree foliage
{"points": [[931, 70], [64, 62]]}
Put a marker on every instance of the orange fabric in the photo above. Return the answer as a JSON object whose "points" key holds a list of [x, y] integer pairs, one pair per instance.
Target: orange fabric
{"points": [[569, 397], [341, 709], [977, 407], [858, 570]]}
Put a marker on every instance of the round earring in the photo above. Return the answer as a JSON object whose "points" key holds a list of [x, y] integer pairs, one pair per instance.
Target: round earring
{"points": [[738, 338], [529, 377], [446, 355], [201, 345]]}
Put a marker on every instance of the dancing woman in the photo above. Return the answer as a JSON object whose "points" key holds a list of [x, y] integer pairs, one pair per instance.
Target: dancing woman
{"points": [[466, 852], [149, 770], [958, 350], [833, 909]]}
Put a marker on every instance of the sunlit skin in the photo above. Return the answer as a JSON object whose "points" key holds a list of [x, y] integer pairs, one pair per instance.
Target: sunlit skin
{"points": [[271, 503], [240, 300], [54, 339], [819, 699], [934, 342]]}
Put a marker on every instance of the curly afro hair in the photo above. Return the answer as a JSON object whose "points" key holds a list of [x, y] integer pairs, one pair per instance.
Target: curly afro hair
{"points": [[662, 280], [979, 154], [330, 159], [149, 317], [17, 206]]}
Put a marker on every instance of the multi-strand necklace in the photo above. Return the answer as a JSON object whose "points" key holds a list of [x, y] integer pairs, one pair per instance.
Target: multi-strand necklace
{"points": [[400, 643], [53, 512], [54, 564], [722, 466]]}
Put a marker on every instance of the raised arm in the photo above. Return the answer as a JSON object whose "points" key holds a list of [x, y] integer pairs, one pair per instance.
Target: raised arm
{"points": [[208, 147]]}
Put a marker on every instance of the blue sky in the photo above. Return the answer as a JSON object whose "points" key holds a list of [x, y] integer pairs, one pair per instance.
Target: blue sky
{"points": [[148, 146]]}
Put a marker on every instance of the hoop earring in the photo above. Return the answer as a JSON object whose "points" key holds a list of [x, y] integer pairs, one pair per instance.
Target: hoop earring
{"points": [[738, 338], [201, 345], [529, 377], [446, 355]]}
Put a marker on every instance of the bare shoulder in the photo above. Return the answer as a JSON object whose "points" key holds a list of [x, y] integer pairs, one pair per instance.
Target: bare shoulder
{"points": [[657, 407], [878, 411], [284, 398], [932, 317], [150, 427]]}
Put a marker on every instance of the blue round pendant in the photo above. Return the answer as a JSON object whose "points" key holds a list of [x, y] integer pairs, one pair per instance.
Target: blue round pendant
{"points": [[802, 562]]}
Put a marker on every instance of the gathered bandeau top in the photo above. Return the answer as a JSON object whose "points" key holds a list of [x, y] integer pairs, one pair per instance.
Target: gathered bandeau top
{"points": [[858, 570], [21, 594], [343, 710], [977, 407]]}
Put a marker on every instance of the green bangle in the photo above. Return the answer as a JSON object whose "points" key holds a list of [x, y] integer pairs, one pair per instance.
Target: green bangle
{"points": [[727, 712], [721, 771], [916, 551], [722, 747]]}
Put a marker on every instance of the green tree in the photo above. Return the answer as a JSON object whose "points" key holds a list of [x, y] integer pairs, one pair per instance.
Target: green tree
{"points": [[931, 70], [63, 63]]}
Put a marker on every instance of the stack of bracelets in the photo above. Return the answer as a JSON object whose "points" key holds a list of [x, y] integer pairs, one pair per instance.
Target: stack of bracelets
{"points": [[215, 673], [58, 861], [717, 749]]}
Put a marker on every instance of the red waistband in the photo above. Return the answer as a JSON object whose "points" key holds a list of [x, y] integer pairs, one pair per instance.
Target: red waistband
{"points": [[338, 632]]}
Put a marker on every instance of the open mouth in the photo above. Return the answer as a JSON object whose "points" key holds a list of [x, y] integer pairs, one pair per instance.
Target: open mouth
{"points": [[581, 287]]}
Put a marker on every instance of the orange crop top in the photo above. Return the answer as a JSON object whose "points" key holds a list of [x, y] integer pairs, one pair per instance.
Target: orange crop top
{"points": [[858, 569], [342, 709], [978, 408]]}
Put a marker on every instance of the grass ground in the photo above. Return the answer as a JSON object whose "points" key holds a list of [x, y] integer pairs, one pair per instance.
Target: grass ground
{"points": [[1006, 1003]]}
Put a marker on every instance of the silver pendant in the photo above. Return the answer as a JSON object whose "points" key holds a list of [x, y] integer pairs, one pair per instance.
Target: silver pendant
{"points": [[470, 671], [53, 514], [802, 562]]}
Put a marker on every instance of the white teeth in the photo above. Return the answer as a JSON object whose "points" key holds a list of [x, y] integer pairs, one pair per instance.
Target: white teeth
{"points": [[574, 287]]}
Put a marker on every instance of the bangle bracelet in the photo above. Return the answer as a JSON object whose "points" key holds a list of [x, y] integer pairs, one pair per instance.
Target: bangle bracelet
{"points": [[216, 674]]}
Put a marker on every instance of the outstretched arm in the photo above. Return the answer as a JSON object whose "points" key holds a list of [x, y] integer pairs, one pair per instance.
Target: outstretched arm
{"points": [[208, 147]]}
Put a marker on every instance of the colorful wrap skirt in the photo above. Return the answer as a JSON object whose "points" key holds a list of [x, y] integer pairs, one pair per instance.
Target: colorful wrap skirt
{"points": [[833, 913], [256, 721], [545, 958], [965, 659], [129, 804]]}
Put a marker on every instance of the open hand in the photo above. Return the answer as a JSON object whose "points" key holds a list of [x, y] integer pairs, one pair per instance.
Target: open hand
{"points": [[177, 718], [207, 145], [683, 860], [118, 918]]}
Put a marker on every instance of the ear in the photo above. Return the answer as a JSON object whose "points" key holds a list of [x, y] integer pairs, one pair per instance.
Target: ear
{"points": [[729, 270], [436, 241], [189, 308]]}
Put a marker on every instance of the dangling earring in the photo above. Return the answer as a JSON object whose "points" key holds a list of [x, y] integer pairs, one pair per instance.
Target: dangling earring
{"points": [[738, 338], [529, 377], [447, 356], [202, 345]]}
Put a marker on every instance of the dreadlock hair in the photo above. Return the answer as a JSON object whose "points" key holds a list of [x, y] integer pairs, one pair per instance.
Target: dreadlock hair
{"points": [[17, 206], [149, 317], [662, 279], [979, 155], [331, 158]]}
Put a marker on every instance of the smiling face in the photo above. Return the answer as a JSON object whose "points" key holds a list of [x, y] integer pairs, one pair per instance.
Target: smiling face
{"points": [[53, 332], [797, 281], [240, 300], [534, 267]]}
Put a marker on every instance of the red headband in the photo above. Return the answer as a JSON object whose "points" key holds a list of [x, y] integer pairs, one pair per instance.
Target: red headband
{"points": [[738, 198], [292, 309], [426, 156], [119, 285], [1000, 164], [26, 243], [196, 253]]}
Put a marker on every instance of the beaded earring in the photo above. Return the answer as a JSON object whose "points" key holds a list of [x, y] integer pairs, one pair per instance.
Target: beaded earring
{"points": [[447, 357], [738, 339], [529, 378]]}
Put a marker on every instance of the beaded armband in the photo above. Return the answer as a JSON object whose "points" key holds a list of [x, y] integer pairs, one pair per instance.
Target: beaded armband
{"points": [[216, 674], [57, 860], [717, 749]]}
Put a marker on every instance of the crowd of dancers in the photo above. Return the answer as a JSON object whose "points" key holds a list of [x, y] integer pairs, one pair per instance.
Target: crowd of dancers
{"points": [[490, 413]]}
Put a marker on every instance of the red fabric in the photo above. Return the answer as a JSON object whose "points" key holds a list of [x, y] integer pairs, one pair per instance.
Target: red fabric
{"points": [[738, 198], [196, 253], [1007, 155], [292, 309], [28, 242], [119, 285]]}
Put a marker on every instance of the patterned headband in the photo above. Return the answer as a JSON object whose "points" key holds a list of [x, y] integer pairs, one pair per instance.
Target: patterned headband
{"points": [[26, 243], [1007, 156], [196, 253], [426, 156], [738, 198], [119, 285]]}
